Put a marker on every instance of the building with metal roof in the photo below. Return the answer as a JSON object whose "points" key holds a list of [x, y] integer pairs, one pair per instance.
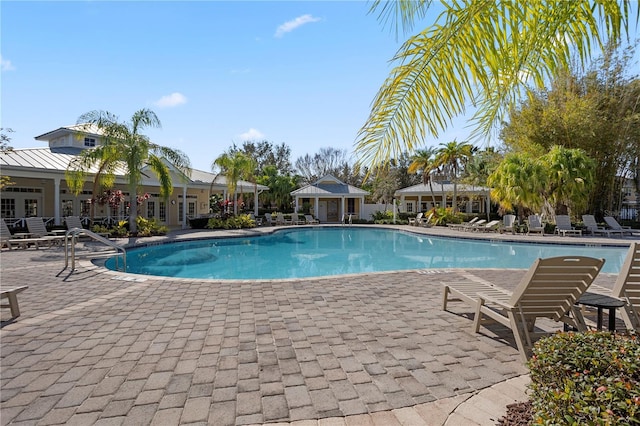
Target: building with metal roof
{"points": [[420, 198], [330, 199], [39, 187]]}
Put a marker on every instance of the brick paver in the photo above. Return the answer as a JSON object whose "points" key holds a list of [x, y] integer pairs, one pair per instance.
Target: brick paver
{"points": [[99, 347]]}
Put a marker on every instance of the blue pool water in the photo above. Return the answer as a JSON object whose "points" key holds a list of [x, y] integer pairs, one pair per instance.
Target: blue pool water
{"points": [[313, 252]]}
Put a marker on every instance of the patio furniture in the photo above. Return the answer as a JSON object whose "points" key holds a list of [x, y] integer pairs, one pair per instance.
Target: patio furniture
{"points": [[12, 299], [593, 227], [601, 302], [550, 289], [415, 221], [564, 227], [534, 224], [613, 224], [310, 220], [627, 288], [37, 229], [9, 240], [508, 223]]}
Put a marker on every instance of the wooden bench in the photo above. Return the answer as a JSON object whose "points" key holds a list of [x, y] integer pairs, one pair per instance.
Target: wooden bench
{"points": [[12, 296]]}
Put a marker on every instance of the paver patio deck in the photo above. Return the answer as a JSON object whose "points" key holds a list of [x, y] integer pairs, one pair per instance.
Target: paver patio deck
{"points": [[100, 347]]}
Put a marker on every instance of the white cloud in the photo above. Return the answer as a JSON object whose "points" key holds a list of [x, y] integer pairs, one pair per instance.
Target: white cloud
{"points": [[251, 135], [293, 24], [6, 65], [171, 100]]}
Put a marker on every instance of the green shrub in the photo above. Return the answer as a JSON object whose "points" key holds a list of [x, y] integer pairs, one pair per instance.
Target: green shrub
{"points": [[121, 229], [100, 229], [199, 222], [233, 222], [588, 378], [148, 227]]}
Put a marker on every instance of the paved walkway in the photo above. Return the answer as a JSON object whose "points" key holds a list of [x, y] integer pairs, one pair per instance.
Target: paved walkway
{"points": [[100, 347]]}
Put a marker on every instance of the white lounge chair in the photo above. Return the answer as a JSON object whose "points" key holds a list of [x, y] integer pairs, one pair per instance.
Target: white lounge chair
{"points": [[38, 230], [297, 219], [460, 226], [508, 223], [268, 219], [534, 224], [593, 227], [613, 224], [549, 289], [416, 221], [310, 220], [492, 226], [8, 240], [564, 227], [474, 225], [281, 220]]}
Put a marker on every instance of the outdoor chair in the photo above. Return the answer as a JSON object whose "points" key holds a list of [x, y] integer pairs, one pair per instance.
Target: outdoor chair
{"points": [[416, 221], [38, 230], [534, 224], [508, 223], [627, 288], [593, 227], [492, 226], [564, 227], [8, 240], [310, 220], [613, 224], [550, 289]]}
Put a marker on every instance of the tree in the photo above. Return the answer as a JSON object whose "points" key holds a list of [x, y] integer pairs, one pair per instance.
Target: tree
{"points": [[571, 173], [557, 182], [423, 162], [518, 184], [5, 148], [327, 161], [484, 54], [266, 153], [478, 169], [280, 187], [597, 110], [123, 144], [234, 167], [451, 157]]}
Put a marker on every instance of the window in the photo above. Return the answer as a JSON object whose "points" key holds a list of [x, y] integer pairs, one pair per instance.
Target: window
{"points": [[85, 207], [191, 212], [410, 207], [162, 214], [67, 208], [89, 142], [180, 210], [8, 208], [151, 209], [351, 205], [30, 208]]}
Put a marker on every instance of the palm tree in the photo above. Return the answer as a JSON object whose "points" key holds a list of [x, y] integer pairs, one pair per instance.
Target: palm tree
{"points": [[234, 167], [571, 176], [424, 160], [518, 183], [451, 157], [123, 144], [481, 53]]}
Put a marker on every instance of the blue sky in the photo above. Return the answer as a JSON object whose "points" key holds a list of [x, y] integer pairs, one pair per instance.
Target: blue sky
{"points": [[299, 73], [302, 73]]}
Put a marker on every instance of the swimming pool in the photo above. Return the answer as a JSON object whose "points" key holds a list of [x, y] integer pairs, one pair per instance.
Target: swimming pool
{"points": [[324, 251]]}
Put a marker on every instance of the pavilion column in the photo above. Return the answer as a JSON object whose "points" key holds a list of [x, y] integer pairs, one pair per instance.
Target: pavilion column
{"points": [[56, 200], [316, 207], [184, 207], [419, 206]]}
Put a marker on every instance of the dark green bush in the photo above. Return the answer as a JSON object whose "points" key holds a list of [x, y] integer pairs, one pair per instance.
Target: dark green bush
{"points": [[233, 222], [588, 378], [199, 222]]}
